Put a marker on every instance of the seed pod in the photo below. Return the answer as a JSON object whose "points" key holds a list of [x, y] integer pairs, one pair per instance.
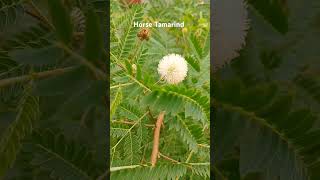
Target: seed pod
{"points": [[78, 20], [144, 34]]}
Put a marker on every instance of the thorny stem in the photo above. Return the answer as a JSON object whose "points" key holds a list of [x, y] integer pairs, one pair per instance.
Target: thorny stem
{"points": [[156, 137]]}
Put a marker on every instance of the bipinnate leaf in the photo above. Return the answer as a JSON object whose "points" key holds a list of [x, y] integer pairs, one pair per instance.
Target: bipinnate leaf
{"points": [[43, 56], [273, 136], [115, 103], [19, 129], [193, 62], [173, 99], [9, 12], [65, 159]]}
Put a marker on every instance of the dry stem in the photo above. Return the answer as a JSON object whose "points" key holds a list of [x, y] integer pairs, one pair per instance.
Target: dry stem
{"points": [[39, 75], [156, 137]]}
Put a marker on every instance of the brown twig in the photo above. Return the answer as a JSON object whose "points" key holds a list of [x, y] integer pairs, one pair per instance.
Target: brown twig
{"points": [[156, 137], [169, 159], [39, 75]]}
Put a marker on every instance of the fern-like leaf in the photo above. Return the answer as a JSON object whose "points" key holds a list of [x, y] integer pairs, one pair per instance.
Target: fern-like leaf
{"points": [[11, 141], [161, 172], [175, 99], [268, 130], [130, 32], [36, 36], [64, 158], [190, 132], [9, 12], [115, 103]]}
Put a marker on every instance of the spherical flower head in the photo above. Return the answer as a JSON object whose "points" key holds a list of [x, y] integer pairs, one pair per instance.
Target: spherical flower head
{"points": [[173, 68]]}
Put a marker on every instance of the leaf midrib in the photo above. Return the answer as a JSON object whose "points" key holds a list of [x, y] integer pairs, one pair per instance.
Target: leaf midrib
{"points": [[128, 32], [192, 100], [64, 160], [252, 116]]}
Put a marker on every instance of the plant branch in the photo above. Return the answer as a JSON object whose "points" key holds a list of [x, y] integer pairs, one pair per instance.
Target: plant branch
{"points": [[189, 157], [218, 173], [131, 123], [97, 72], [39, 75], [156, 137], [184, 163], [36, 13], [129, 130], [169, 159], [120, 85]]}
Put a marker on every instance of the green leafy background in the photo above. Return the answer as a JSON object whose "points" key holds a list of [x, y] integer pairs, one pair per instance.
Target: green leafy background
{"points": [[265, 102], [138, 95], [53, 89]]}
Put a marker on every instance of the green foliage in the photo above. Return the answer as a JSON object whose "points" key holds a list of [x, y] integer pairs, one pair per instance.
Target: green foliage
{"points": [[138, 95], [189, 131], [65, 159], [11, 141], [36, 36], [268, 126], [45, 84], [9, 12], [129, 35], [114, 105], [35, 56], [190, 101], [94, 39], [160, 172], [61, 20], [265, 105]]}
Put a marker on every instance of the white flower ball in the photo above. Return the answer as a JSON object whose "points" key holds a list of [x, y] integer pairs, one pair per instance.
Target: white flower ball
{"points": [[173, 68]]}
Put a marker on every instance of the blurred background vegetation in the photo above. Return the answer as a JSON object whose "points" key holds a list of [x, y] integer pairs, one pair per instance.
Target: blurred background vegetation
{"points": [[53, 78], [138, 95], [266, 99]]}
